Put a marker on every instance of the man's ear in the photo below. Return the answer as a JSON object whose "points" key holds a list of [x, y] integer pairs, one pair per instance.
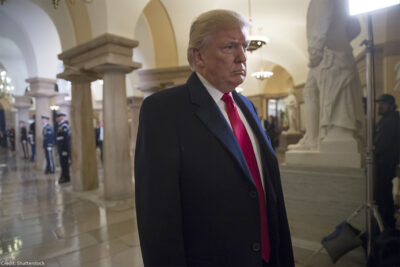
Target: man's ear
{"points": [[197, 58]]}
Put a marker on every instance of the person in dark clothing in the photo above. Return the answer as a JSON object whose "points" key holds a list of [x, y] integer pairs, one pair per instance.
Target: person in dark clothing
{"points": [[48, 142], [32, 140], [63, 142], [24, 140], [206, 194], [11, 137], [99, 135], [386, 156], [269, 127]]}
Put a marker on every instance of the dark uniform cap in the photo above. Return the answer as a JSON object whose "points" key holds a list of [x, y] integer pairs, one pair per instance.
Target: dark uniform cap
{"points": [[59, 114], [387, 99], [45, 118]]}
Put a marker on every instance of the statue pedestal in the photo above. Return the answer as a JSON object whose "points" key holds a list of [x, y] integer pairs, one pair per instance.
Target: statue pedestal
{"points": [[332, 153], [328, 159], [317, 200], [286, 139]]}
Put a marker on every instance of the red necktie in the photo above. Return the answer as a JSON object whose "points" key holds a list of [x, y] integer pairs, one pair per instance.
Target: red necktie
{"points": [[247, 149]]}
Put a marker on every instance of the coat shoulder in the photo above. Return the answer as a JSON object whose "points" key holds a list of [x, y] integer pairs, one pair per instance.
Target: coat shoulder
{"points": [[168, 94], [169, 99]]}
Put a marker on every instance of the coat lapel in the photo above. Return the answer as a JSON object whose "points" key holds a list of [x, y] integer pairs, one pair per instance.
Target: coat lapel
{"points": [[270, 161], [209, 113]]}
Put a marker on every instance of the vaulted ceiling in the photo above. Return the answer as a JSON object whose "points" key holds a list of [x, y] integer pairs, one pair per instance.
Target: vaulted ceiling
{"points": [[32, 33]]}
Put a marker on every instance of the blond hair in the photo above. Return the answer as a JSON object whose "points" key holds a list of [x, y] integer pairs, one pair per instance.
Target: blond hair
{"points": [[207, 23]]}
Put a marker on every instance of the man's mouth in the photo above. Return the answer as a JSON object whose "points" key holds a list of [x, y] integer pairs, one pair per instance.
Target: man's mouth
{"points": [[240, 72]]}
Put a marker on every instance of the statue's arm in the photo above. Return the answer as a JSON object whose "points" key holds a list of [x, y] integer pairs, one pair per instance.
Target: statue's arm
{"points": [[319, 19]]}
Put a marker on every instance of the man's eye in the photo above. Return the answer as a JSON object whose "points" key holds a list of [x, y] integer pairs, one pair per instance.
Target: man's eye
{"points": [[229, 48]]}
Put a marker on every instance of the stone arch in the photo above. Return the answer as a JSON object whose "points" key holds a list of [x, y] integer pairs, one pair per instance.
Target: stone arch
{"points": [[279, 84], [39, 29], [81, 22], [164, 40]]}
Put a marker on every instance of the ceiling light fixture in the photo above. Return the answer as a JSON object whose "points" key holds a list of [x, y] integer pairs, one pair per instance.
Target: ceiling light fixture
{"points": [[262, 75], [256, 41], [6, 86]]}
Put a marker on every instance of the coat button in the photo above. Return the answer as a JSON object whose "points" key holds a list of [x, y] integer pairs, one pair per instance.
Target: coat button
{"points": [[256, 247], [253, 194]]}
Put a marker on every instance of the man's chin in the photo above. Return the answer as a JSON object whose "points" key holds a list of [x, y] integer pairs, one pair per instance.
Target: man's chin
{"points": [[239, 80]]}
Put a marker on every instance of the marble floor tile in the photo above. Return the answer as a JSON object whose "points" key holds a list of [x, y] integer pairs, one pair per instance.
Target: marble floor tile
{"points": [[48, 250], [24, 241], [115, 230], [92, 254], [131, 257], [131, 239]]}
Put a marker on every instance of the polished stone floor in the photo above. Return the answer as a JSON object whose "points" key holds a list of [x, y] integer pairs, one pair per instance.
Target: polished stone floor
{"points": [[44, 223]]}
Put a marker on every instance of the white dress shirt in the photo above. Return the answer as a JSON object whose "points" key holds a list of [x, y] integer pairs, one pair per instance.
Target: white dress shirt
{"points": [[217, 95]]}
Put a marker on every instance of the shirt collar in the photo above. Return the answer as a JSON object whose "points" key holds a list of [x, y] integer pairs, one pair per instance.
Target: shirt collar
{"points": [[214, 92]]}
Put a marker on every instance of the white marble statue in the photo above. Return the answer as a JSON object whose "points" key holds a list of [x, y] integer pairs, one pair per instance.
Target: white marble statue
{"points": [[397, 69], [292, 106], [332, 94]]}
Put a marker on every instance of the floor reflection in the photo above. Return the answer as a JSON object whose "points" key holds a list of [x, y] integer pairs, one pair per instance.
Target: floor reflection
{"points": [[41, 221]]}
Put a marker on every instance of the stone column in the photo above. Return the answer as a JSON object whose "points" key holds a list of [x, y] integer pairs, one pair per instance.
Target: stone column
{"points": [[135, 106], [22, 104], [83, 149], [111, 56], [41, 89], [116, 149]]}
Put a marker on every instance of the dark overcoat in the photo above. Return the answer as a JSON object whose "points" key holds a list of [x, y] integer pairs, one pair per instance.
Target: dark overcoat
{"points": [[196, 202]]}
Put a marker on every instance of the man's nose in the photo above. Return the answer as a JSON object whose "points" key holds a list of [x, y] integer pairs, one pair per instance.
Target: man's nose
{"points": [[241, 55]]}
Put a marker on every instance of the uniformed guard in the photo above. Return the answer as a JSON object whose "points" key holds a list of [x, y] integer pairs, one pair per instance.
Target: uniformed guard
{"points": [[31, 137], [63, 143], [24, 139], [386, 158], [48, 142]]}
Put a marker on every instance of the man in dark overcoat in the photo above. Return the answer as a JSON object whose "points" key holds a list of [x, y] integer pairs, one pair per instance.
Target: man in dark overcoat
{"points": [[208, 189]]}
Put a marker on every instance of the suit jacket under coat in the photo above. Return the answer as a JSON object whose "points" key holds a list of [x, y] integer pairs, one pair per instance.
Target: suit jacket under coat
{"points": [[196, 202]]}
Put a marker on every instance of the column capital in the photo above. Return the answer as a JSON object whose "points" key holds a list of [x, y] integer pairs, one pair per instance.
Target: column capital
{"points": [[105, 53], [60, 100], [41, 87], [113, 67], [22, 102], [153, 80], [75, 75]]}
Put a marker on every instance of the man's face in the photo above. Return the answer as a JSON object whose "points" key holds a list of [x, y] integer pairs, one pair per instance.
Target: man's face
{"points": [[58, 119], [222, 61], [383, 107]]}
